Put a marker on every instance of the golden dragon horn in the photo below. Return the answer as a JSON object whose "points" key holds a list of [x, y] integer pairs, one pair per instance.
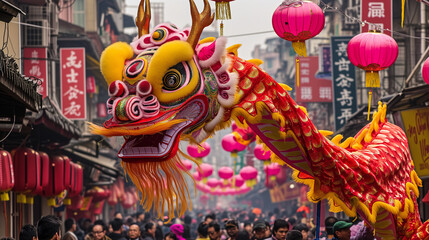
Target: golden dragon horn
{"points": [[143, 17], [199, 22]]}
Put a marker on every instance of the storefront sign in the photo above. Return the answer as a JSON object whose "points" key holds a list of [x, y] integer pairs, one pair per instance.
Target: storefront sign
{"points": [[312, 89], [378, 13], [344, 82], [35, 65], [73, 93], [284, 192], [416, 124]]}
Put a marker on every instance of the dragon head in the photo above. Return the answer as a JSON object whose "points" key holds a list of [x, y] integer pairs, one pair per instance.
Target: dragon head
{"points": [[165, 86]]}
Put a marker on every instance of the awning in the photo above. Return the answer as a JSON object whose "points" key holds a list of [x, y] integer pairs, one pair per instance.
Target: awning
{"points": [[104, 164]]}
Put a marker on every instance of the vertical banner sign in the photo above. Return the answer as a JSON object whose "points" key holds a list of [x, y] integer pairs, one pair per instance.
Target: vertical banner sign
{"points": [[378, 12], [312, 89], [73, 93], [416, 125], [35, 65], [343, 80]]}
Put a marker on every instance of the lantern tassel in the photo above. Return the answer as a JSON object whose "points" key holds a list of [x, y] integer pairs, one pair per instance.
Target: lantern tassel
{"points": [[300, 48], [272, 178], [223, 10], [369, 103], [402, 15], [51, 202], [67, 201], [30, 200], [4, 196], [221, 29], [372, 79], [21, 198], [297, 72]]}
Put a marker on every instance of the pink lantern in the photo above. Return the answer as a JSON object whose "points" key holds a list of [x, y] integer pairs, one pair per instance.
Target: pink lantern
{"points": [[197, 176], [238, 181], [225, 173], [212, 183], [282, 176], [425, 71], [269, 184], [199, 151], [186, 165], [244, 136], [261, 154], [205, 171], [272, 170], [229, 144], [225, 184], [372, 52], [297, 22], [7, 179], [249, 174]]}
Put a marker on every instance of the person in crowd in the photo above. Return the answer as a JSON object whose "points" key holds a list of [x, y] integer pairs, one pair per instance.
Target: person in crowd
{"points": [[149, 231], [202, 231], [210, 218], [117, 229], [70, 228], [248, 228], [214, 231], [28, 232], [86, 225], [329, 227], [187, 227], [294, 235], [117, 215], [140, 217], [243, 235], [177, 229], [231, 227], [134, 232], [303, 228], [280, 229], [259, 230], [292, 222], [99, 231], [342, 230], [49, 228], [267, 230], [170, 236]]}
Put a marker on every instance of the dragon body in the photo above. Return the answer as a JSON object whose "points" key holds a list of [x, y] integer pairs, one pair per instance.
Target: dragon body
{"points": [[167, 86]]}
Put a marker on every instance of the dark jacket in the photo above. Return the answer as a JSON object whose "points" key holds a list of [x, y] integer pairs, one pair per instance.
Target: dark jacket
{"points": [[116, 236]]}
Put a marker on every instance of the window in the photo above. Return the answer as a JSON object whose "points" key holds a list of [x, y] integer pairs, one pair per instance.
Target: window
{"points": [[79, 13]]}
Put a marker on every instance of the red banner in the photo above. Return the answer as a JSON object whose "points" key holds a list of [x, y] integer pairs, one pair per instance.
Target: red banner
{"points": [[377, 14], [73, 93], [312, 89], [35, 65]]}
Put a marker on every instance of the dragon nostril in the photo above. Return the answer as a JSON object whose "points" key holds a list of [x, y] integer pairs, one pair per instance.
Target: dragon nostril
{"points": [[144, 88]]}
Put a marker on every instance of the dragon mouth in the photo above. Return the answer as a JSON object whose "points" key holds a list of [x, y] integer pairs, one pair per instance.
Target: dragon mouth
{"points": [[163, 144]]}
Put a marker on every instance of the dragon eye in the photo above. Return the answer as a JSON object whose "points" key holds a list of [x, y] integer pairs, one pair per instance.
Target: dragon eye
{"points": [[159, 34], [172, 80]]}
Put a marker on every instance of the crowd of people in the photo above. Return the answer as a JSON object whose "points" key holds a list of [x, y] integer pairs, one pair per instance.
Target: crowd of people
{"points": [[212, 226]]}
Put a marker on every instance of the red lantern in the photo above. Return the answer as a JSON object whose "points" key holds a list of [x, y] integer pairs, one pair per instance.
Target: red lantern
{"points": [[205, 171], [42, 175], [282, 176], [249, 175], [213, 183], [230, 144], [372, 52], [77, 180], [56, 176], [298, 21], [7, 179], [223, 12], [26, 175], [425, 71], [199, 152]]}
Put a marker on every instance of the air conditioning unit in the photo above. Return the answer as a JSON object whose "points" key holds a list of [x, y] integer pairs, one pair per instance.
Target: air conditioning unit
{"points": [[37, 33]]}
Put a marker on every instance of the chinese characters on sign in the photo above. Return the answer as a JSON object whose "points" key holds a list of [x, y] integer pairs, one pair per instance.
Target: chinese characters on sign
{"points": [[344, 83], [35, 65], [378, 12], [73, 93], [312, 89]]}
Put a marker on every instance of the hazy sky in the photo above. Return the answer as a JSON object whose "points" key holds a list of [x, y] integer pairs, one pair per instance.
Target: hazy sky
{"points": [[248, 16]]}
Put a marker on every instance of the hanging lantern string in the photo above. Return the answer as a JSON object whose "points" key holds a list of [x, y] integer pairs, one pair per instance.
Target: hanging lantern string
{"points": [[325, 7]]}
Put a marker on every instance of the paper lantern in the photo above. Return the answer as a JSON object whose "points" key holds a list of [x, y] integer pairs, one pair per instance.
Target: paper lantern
{"points": [[43, 177], [425, 71], [282, 176], [223, 12], [98, 194], [205, 171], [212, 183], [238, 181], [372, 52], [7, 179], [197, 176], [244, 136], [56, 176], [272, 170], [77, 184], [186, 165], [261, 154], [298, 21], [229, 144], [26, 175], [225, 173], [199, 151], [249, 174]]}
